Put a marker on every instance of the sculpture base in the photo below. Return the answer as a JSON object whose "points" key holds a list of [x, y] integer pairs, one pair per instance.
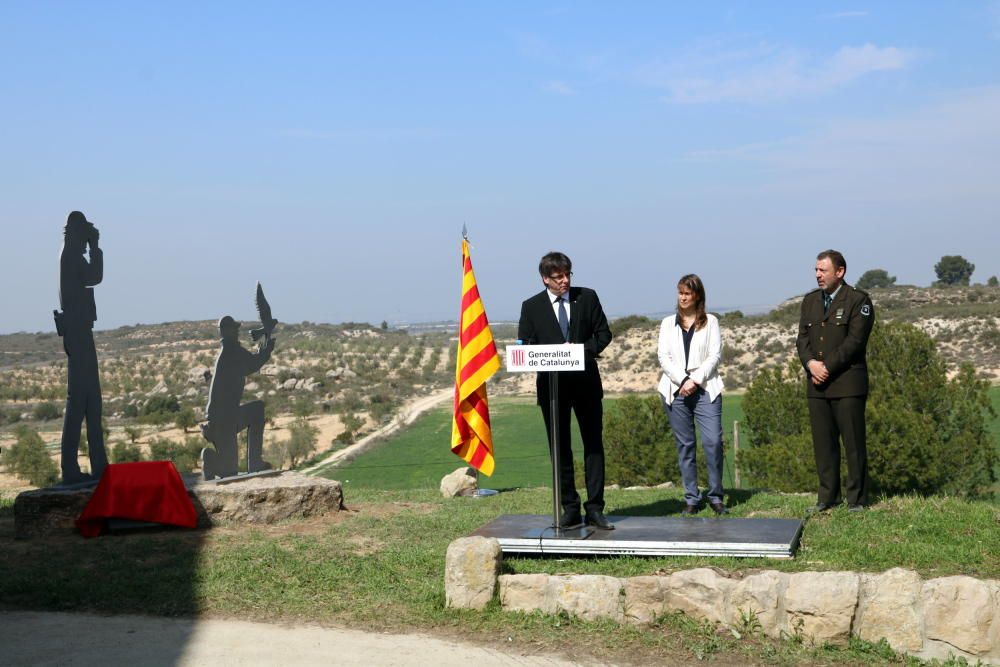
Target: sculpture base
{"points": [[263, 498]]}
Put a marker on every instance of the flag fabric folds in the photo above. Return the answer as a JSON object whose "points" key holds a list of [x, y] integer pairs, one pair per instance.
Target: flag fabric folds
{"points": [[471, 438]]}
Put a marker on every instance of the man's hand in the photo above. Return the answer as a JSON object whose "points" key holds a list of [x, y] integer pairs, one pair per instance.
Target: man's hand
{"points": [[817, 369], [94, 237]]}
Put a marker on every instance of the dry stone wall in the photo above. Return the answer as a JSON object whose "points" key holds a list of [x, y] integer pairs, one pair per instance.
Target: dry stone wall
{"points": [[935, 618]]}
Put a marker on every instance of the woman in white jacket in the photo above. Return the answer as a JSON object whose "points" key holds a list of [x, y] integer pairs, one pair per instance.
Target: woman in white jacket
{"points": [[689, 351]]}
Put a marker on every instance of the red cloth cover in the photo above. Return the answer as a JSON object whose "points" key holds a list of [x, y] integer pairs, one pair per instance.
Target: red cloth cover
{"points": [[143, 491]]}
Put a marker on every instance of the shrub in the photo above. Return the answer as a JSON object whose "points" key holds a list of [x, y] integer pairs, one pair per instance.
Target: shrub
{"points": [[161, 409], [185, 456], [638, 443], [27, 459], [623, 324], [125, 452], [299, 446], [875, 278], [46, 411], [926, 434]]}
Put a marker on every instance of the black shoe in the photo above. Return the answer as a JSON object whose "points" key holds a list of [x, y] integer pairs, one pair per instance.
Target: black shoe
{"points": [[856, 508], [691, 509], [596, 518], [820, 507], [570, 520], [719, 508]]}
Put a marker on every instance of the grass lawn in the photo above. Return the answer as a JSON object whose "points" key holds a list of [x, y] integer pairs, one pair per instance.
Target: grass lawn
{"points": [[379, 565], [420, 456]]}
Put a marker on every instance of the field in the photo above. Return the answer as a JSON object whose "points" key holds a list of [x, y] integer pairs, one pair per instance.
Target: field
{"points": [[419, 457]]}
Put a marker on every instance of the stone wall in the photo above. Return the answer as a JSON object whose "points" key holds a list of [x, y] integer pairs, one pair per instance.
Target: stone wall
{"points": [[932, 618]]}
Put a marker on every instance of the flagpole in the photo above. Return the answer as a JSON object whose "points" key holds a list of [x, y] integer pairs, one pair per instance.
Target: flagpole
{"points": [[478, 493], [473, 443]]}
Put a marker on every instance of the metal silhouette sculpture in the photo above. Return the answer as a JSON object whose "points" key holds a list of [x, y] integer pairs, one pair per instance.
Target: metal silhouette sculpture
{"points": [[226, 416], [81, 267]]}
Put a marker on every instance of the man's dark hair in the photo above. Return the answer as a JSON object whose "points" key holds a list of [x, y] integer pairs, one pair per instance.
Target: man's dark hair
{"points": [[554, 262], [835, 258]]}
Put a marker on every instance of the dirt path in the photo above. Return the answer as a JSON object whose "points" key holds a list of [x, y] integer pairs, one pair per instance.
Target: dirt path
{"points": [[406, 415], [42, 638]]}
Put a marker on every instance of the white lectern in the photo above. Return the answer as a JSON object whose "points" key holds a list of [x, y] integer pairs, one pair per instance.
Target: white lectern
{"points": [[551, 359]]}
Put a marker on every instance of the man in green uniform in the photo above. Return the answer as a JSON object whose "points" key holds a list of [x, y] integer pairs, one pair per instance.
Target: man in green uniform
{"points": [[833, 336]]}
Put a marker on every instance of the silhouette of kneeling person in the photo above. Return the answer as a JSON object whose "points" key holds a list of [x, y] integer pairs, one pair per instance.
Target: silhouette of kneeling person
{"points": [[226, 416], [75, 323]]}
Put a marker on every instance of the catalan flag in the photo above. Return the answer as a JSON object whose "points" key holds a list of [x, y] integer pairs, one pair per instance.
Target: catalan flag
{"points": [[471, 438]]}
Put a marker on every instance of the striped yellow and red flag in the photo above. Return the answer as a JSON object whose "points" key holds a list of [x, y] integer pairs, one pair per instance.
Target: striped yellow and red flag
{"points": [[471, 438]]}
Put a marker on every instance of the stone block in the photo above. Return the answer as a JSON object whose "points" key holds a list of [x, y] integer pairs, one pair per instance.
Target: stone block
{"points": [[701, 592], [645, 599], [820, 605], [526, 592], [761, 594], [472, 565], [587, 596], [889, 608], [958, 611], [265, 499]]}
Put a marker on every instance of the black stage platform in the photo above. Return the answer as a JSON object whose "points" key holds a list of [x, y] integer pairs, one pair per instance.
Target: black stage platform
{"points": [[649, 536]]}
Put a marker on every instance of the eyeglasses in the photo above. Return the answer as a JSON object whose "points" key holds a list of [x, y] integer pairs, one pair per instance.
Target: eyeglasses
{"points": [[559, 277]]}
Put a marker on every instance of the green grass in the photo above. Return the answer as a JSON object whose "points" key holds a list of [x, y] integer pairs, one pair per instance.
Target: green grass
{"points": [[420, 456], [995, 430], [379, 565]]}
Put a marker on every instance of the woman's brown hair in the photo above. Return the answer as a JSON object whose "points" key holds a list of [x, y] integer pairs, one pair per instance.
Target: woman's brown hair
{"points": [[693, 283]]}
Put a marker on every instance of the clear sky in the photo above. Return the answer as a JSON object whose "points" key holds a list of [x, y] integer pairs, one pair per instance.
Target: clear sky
{"points": [[333, 150]]}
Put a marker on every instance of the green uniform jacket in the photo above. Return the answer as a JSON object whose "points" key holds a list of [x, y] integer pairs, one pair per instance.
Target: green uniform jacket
{"points": [[839, 339]]}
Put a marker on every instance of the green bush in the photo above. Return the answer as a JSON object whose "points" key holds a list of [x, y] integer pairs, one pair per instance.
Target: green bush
{"points": [[638, 443], [186, 456], [161, 409], [27, 459], [926, 433], [46, 411], [297, 447], [124, 452]]}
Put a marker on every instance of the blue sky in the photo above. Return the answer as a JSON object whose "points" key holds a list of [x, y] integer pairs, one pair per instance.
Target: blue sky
{"points": [[333, 151]]}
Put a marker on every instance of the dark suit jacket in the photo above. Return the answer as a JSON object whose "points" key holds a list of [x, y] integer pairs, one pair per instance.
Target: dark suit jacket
{"points": [[587, 324], [838, 338]]}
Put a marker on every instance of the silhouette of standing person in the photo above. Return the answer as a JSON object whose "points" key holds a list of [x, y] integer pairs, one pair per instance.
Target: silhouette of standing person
{"points": [[77, 276], [226, 416]]}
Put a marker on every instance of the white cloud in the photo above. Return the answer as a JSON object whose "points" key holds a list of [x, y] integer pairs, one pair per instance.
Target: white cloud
{"points": [[766, 73], [558, 88], [947, 151]]}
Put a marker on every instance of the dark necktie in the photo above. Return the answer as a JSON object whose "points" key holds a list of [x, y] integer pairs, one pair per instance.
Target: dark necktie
{"points": [[827, 300], [563, 319]]}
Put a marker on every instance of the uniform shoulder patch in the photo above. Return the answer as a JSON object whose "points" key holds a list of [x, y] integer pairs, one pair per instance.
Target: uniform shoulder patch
{"points": [[866, 310]]}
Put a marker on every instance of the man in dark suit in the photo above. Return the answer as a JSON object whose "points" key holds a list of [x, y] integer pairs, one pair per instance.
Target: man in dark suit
{"points": [[564, 314], [833, 337]]}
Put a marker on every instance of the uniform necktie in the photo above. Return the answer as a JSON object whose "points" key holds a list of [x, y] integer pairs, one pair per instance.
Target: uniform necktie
{"points": [[827, 300], [563, 319]]}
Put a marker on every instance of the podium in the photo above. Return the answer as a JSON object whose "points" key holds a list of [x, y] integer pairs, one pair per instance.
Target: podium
{"points": [[551, 359]]}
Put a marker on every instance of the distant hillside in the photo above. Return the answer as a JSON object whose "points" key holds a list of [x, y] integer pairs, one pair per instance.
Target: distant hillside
{"points": [[349, 378], [963, 321]]}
